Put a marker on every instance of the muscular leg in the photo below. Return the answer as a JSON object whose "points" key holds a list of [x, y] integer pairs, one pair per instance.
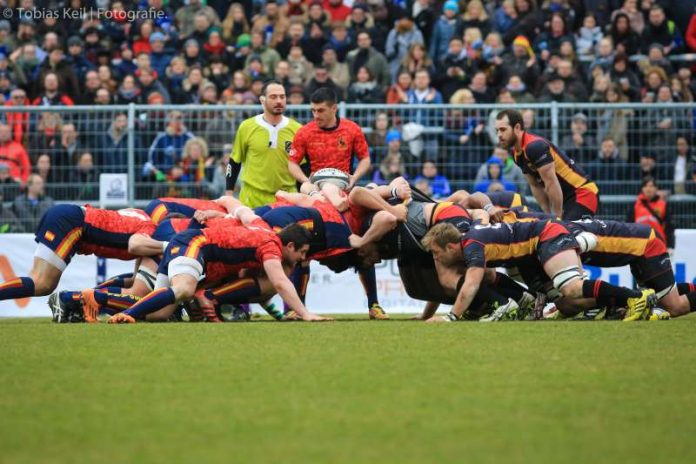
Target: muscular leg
{"points": [[43, 279]]}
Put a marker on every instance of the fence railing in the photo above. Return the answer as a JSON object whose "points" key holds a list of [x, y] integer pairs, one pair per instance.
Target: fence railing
{"points": [[70, 146]]}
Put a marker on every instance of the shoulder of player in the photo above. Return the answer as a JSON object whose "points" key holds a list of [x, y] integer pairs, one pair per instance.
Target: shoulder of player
{"points": [[351, 125]]}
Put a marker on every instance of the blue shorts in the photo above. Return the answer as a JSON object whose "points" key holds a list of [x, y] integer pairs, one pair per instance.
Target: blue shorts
{"points": [[59, 233]]}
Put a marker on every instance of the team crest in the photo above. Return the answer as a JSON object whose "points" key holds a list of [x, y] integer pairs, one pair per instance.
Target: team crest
{"points": [[342, 143], [288, 144]]}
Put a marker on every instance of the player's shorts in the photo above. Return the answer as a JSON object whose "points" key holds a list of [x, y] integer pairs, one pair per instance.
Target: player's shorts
{"points": [[655, 273], [554, 239], [584, 203], [253, 198], [415, 218], [59, 233], [184, 256]]}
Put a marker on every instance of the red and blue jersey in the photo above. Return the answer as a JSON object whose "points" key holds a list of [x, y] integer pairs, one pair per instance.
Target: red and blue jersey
{"points": [[159, 208], [106, 233]]}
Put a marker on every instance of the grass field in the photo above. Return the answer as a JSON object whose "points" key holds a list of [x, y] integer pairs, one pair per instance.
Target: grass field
{"points": [[348, 392]]}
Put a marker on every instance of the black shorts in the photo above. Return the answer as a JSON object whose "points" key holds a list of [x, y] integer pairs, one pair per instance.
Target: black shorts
{"points": [[655, 272], [550, 248]]}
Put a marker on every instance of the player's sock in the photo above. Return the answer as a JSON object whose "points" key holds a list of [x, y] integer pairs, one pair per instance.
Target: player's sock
{"points": [[117, 281], [508, 287], [606, 294], [115, 302], [151, 303], [17, 288], [271, 309], [69, 297], [692, 301], [239, 291], [368, 278], [685, 288], [300, 279]]}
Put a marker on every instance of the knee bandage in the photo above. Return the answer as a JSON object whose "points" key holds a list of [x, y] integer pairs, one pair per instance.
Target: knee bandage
{"points": [[146, 276], [566, 276]]}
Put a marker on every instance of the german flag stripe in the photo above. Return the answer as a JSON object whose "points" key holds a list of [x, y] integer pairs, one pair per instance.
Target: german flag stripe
{"points": [[68, 243], [16, 283], [194, 248], [159, 213], [629, 245], [307, 224], [501, 251]]}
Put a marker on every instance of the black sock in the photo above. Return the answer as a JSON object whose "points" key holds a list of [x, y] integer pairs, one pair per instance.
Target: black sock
{"points": [[508, 287], [606, 294], [686, 287], [368, 278], [239, 291], [21, 287]]}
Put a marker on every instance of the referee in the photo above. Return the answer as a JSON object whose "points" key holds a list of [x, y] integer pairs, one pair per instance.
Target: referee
{"points": [[261, 145]]}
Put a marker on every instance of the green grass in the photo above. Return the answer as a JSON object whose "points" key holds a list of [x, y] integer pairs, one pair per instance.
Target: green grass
{"points": [[348, 392]]}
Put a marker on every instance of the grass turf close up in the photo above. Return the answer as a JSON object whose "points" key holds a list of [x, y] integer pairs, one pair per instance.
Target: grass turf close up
{"points": [[359, 391]]}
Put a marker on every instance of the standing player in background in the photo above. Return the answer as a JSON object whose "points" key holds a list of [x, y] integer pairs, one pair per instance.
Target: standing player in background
{"points": [[331, 142], [558, 184], [261, 146], [328, 142]]}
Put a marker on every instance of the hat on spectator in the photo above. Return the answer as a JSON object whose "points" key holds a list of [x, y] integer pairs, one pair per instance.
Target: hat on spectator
{"points": [[580, 116], [243, 40], [212, 30], [74, 40], [524, 42], [451, 5], [360, 6], [554, 76], [5, 25], [157, 36], [328, 46], [393, 135]]}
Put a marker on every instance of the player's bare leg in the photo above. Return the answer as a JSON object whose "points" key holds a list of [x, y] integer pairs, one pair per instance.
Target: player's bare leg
{"points": [[42, 280]]}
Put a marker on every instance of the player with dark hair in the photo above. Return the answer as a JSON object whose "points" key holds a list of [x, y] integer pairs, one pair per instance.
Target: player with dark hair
{"points": [[261, 145], [224, 242], [558, 184], [68, 229], [547, 243]]}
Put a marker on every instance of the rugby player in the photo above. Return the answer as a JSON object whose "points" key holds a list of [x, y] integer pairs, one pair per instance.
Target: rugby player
{"points": [[525, 243], [558, 184]]}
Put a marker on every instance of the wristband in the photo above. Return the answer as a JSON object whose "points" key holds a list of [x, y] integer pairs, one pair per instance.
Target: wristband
{"points": [[487, 207], [314, 192], [452, 317], [394, 192]]}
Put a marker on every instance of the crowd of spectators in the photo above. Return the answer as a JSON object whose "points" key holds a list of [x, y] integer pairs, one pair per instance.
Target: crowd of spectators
{"points": [[466, 52]]}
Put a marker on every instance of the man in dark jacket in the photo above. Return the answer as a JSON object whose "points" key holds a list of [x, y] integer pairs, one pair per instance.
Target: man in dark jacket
{"points": [[663, 31]]}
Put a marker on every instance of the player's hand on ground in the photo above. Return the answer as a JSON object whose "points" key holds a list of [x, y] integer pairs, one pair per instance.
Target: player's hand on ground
{"points": [[437, 320], [418, 317], [316, 318]]}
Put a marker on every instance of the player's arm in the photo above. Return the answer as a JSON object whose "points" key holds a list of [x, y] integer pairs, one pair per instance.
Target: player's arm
{"points": [[361, 169], [479, 200], [472, 283], [299, 199], [480, 216], [144, 245], [286, 290], [372, 199], [228, 202], [362, 151], [382, 223], [235, 163], [552, 189], [295, 157], [539, 193]]}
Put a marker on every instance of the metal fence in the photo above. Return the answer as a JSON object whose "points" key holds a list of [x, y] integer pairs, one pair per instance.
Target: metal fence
{"points": [[70, 146]]}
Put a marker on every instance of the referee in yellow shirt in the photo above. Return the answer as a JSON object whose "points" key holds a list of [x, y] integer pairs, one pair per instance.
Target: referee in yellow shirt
{"points": [[261, 146]]}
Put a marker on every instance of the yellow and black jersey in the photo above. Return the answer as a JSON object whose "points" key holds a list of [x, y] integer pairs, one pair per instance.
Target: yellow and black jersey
{"points": [[506, 199]]}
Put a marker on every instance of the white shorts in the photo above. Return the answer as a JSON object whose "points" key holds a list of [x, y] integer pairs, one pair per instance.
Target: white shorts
{"points": [[50, 256], [184, 265]]}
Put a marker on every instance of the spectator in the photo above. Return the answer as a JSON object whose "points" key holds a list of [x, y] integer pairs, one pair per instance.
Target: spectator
{"points": [[655, 78], [662, 31], [32, 205], [296, 37], [573, 84], [9, 223], [479, 88], [685, 160], [47, 136], [195, 160], [522, 61], [632, 12], [518, 90], [149, 84], [505, 16], [301, 70], [316, 38], [475, 16], [338, 12], [438, 184], [556, 91], [167, 148], [604, 56], [321, 80], [425, 16], [114, 146], [527, 23], [366, 55], [77, 59], [653, 210], [377, 139], [269, 57], [142, 42], [444, 31], [390, 168], [18, 122], [65, 157], [51, 96], [680, 92], [657, 58], [13, 155], [417, 59], [218, 185], [589, 36], [423, 94], [9, 186], [614, 123], [243, 50], [365, 89], [193, 54], [273, 22], [626, 40], [84, 178], [493, 50], [549, 42], [454, 69], [494, 175], [106, 80], [608, 153], [340, 41], [296, 96], [235, 23], [159, 58], [185, 16], [647, 165], [56, 64], [192, 85], [338, 72], [466, 128], [360, 20], [622, 76], [398, 92], [579, 144], [662, 125], [400, 38], [90, 87], [128, 92], [511, 171]]}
